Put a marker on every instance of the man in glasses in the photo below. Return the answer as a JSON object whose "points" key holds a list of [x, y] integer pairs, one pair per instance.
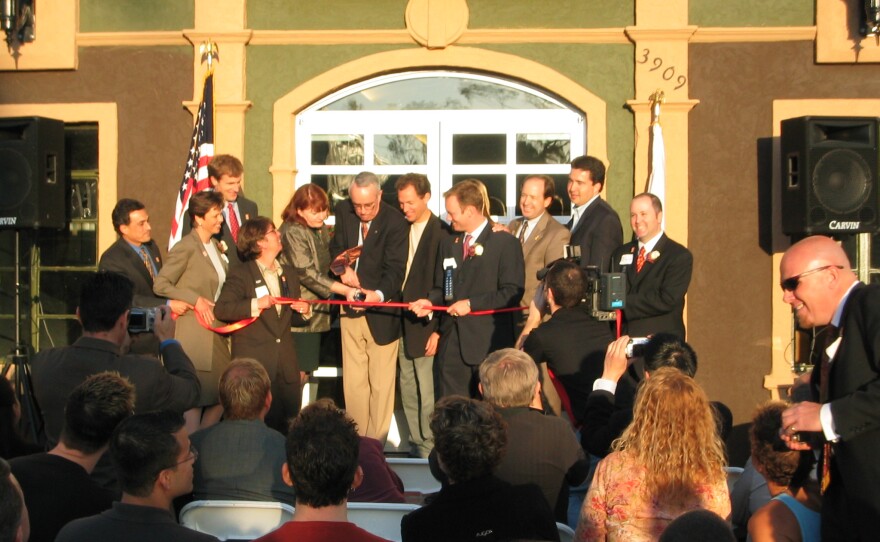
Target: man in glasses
{"points": [[843, 420], [370, 337], [154, 462]]}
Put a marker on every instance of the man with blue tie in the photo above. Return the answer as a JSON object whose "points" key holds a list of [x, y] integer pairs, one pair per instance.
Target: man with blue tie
{"points": [[595, 226]]}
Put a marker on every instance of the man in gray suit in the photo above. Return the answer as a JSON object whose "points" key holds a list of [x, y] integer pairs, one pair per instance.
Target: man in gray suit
{"points": [[240, 458]]}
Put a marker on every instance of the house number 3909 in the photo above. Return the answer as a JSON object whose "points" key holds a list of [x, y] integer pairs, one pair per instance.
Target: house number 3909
{"points": [[667, 74]]}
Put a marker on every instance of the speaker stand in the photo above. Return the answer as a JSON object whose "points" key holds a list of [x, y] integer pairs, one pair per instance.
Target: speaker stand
{"points": [[18, 360]]}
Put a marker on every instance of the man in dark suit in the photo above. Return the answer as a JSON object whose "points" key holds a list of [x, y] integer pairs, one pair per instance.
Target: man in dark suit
{"points": [[225, 172], [576, 364], [136, 256], [595, 226], [369, 337], [658, 273], [103, 311], [487, 273], [418, 344], [844, 416]]}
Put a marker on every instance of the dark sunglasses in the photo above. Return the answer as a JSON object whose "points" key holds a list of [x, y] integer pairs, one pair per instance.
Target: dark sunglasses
{"points": [[791, 283]]}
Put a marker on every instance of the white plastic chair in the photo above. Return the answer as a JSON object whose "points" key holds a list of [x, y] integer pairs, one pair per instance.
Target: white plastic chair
{"points": [[235, 520], [380, 519], [415, 474], [733, 474], [566, 533]]}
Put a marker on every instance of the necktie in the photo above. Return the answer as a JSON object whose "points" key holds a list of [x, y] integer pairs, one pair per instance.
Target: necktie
{"points": [[466, 245], [365, 228], [830, 333], [640, 261], [233, 222], [146, 258], [522, 232]]}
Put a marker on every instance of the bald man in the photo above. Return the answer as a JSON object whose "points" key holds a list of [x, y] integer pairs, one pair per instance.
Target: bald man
{"points": [[844, 420]]}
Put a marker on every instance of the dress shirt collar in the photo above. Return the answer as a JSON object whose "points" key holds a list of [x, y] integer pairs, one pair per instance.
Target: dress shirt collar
{"points": [[478, 231], [652, 242], [838, 312]]}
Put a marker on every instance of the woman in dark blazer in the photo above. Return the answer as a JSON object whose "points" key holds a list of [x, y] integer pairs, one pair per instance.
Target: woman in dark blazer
{"points": [[251, 290], [194, 272], [306, 240]]}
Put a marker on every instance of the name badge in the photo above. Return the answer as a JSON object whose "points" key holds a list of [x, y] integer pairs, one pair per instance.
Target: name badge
{"points": [[626, 259], [262, 291], [449, 263]]}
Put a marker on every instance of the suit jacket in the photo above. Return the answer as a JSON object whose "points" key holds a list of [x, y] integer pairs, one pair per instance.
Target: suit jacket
{"points": [[419, 283], [381, 265], [655, 297], [120, 258], [189, 274], [247, 209], [268, 340], [852, 499], [492, 280], [577, 364], [57, 371], [485, 509], [598, 233], [543, 247]]}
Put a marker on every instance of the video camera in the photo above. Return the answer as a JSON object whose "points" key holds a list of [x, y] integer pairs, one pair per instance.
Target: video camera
{"points": [[605, 292]]}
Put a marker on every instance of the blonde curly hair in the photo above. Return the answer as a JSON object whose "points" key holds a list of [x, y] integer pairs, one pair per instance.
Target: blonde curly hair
{"points": [[675, 437]]}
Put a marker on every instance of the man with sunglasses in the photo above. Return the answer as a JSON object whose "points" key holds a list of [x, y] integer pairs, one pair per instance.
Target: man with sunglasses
{"points": [[843, 420]]}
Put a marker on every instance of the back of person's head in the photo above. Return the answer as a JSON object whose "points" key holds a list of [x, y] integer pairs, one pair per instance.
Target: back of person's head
{"points": [[94, 409], [469, 436], [770, 455], [122, 210], [250, 234], [225, 164], [322, 454], [668, 350], [142, 447], [12, 510], [244, 387], [104, 297], [698, 526], [567, 282], [508, 378], [674, 436]]}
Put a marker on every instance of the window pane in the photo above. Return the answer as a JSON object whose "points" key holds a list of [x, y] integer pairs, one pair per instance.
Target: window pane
{"points": [[470, 149], [60, 332], [543, 148], [454, 92], [496, 185], [84, 199], [59, 291], [561, 205], [81, 146], [401, 150], [337, 149]]}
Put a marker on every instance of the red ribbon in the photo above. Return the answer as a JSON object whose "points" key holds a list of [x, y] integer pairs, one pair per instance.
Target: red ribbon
{"points": [[235, 326]]}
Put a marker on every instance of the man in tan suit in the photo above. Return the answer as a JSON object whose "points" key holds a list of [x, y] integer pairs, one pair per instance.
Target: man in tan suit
{"points": [[541, 236]]}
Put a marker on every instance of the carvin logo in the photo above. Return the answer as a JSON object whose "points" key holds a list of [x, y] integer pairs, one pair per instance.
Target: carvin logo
{"points": [[8, 220], [835, 225]]}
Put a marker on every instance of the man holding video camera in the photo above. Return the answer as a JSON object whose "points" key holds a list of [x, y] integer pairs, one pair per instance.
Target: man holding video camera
{"points": [[104, 305]]}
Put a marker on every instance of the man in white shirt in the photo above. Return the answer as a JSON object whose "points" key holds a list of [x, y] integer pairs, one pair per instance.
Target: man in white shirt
{"points": [[658, 273]]}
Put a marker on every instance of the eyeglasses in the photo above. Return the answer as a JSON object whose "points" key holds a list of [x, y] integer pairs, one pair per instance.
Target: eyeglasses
{"points": [[365, 206], [193, 455], [791, 283]]}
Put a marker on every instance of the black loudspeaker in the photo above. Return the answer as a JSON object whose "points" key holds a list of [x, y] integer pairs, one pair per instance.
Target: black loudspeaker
{"points": [[829, 175], [33, 178]]}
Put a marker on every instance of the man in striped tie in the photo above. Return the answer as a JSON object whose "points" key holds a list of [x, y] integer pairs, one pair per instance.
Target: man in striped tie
{"points": [[136, 256], [658, 273], [226, 172]]}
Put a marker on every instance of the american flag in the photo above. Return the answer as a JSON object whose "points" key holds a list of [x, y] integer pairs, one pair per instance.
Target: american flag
{"points": [[201, 150]]}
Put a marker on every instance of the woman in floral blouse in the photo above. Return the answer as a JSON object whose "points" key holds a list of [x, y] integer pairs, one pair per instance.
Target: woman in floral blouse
{"points": [[669, 461]]}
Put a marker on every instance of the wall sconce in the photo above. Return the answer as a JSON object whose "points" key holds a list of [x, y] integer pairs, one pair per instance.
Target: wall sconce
{"points": [[18, 19]]}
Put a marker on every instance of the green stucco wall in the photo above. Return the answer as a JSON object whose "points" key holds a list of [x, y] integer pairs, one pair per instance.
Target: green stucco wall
{"points": [[558, 14], [326, 14], [735, 13], [135, 15]]}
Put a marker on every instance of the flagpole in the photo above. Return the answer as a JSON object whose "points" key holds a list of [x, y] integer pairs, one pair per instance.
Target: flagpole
{"points": [[657, 178], [195, 175]]}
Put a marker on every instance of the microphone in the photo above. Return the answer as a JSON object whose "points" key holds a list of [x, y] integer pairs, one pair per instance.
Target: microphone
{"points": [[448, 266]]}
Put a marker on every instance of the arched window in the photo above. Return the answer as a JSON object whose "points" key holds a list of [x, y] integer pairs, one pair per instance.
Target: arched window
{"points": [[447, 125]]}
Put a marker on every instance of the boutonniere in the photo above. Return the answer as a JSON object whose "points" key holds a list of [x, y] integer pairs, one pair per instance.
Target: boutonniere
{"points": [[222, 246], [475, 250], [652, 257]]}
